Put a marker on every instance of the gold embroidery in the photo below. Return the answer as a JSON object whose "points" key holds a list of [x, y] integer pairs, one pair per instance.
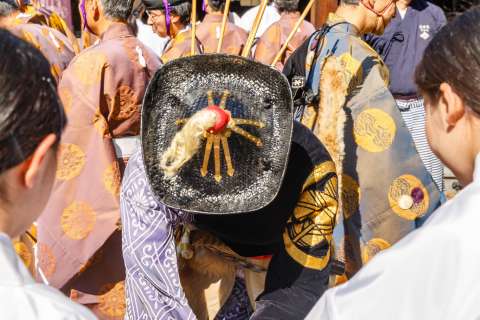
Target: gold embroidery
{"points": [[312, 223], [100, 124], [23, 252], [374, 130], [88, 67], [350, 195], [354, 68], [71, 160], [404, 186], [111, 179], [318, 173], [112, 303], [373, 247], [78, 220], [27, 36], [125, 104], [46, 260]]}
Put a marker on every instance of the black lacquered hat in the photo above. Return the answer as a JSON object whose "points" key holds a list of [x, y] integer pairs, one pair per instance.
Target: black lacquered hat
{"points": [[239, 158]]}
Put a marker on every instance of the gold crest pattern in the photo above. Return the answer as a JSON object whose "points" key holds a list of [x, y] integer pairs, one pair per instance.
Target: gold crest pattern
{"points": [[66, 97], [112, 303], [350, 195], [46, 260], [23, 252], [374, 130], [373, 247], [78, 220], [100, 123], [71, 160], [313, 220], [88, 67], [112, 178], [409, 186]]}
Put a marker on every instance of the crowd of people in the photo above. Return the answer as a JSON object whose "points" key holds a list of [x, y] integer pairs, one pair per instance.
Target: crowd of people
{"points": [[160, 167]]}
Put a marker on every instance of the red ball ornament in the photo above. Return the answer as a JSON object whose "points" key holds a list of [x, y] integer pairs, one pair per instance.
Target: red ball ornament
{"points": [[223, 117]]}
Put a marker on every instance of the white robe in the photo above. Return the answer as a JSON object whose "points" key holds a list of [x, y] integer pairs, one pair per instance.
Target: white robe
{"points": [[22, 298], [433, 273]]}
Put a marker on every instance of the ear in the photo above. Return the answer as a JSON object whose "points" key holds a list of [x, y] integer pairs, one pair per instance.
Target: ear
{"points": [[32, 166], [451, 105], [175, 18]]}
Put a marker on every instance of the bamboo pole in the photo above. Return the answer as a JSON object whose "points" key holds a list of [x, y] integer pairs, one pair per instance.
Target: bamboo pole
{"points": [[253, 32], [292, 33], [194, 27], [226, 11]]}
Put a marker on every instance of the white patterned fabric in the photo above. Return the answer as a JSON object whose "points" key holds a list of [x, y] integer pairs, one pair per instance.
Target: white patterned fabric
{"points": [[153, 289]]}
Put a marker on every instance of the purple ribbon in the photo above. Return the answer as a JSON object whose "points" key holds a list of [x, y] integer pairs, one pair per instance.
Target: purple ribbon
{"points": [[167, 15], [84, 16], [204, 5]]}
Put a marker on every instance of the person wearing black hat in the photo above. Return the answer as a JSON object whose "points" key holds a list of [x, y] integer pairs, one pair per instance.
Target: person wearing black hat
{"points": [[171, 18], [222, 156]]}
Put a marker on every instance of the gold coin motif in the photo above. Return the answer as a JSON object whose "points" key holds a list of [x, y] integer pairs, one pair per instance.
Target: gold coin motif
{"points": [[112, 303], [125, 104], [354, 68], [23, 252], [88, 67], [78, 220], [111, 179], [408, 185], [374, 130], [350, 196], [373, 247], [46, 260], [70, 161]]}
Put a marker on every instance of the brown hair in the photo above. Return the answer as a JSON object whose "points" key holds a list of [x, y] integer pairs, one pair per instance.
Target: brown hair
{"points": [[453, 57]]}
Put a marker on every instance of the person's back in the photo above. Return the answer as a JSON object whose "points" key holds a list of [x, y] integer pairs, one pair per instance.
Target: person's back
{"points": [[432, 273], [270, 16], [31, 125], [208, 31], [276, 35]]}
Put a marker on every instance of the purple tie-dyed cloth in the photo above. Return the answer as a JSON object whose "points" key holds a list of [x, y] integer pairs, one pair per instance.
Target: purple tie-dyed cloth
{"points": [[153, 289]]}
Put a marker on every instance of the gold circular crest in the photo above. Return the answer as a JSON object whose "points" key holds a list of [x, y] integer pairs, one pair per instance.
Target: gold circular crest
{"points": [[125, 103], [373, 247], [23, 252], [374, 130], [46, 260], [112, 303], [78, 220], [350, 196], [111, 178], [88, 67], [71, 160], [66, 97], [354, 68], [403, 186]]}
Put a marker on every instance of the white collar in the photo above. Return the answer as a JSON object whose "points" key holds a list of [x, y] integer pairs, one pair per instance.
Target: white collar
{"points": [[476, 172], [12, 269]]}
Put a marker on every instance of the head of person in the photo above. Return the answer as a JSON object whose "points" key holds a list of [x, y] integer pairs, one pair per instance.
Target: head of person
{"points": [[448, 78], [372, 16], [286, 5], [168, 17], [98, 14], [213, 6], [8, 10], [31, 122]]}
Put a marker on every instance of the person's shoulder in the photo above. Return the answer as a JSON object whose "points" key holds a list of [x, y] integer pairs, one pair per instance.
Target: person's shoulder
{"points": [[48, 303], [435, 11]]}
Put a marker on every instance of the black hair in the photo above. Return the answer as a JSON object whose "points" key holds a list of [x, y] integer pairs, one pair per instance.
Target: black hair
{"points": [[453, 57], [7, 7], [183, 10], [216, 5], [118, 9], [287, 5], [29, 105]]}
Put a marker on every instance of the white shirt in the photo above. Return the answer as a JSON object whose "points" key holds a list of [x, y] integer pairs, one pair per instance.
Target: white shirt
{"points": [[149, 38], [433, 273], [24, 299], [270, 16]]}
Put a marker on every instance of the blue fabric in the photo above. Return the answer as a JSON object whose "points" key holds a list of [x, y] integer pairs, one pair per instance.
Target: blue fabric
{"points": [[404, 41]]}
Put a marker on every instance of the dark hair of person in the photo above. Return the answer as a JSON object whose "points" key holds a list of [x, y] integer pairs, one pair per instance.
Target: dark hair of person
{"points": [[453, 57], [183, 10], [286, 5], [7, 7], [29, 105], [216, 5], [118, 9]]}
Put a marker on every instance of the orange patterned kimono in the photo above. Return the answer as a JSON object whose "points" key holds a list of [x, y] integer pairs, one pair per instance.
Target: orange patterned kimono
{"points": [[54, 45], [274, 38], [79, 245], [180, 46], [208, 32]]}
